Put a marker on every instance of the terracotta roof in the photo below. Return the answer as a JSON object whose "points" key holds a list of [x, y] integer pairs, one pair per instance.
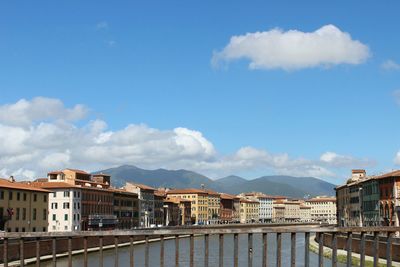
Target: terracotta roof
{"points": [[143, 186], [186, 191], [42, 180], [227, 196], [389, 174], [212, 192], [101, 174], [4, 183], [358, 171], [248, 201], [50, 185]]}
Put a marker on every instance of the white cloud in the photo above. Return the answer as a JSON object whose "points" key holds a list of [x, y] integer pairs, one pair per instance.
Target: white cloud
{"points": [[42, 140], [293, 49], [336, 160], [390, 65]]}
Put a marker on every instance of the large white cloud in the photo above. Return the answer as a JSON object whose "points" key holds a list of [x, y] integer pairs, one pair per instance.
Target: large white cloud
{"points": [[293, 49], [44, 140]]}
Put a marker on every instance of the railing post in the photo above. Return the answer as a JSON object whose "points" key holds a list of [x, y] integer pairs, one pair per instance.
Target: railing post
{"points": [[349, 248], [206, 249], [221, 250], [334, 249], [191, 250], [131, 259], [307, 249], [389, 249], [292, 249], [5, 252], [362, 249], [54, 252], [37, 243], [21, 252], [69, 251], [146, 251], [85, 251], [278, 249], [265, 250], [235, 250], [320, 249], [116, 257], [250, 250], [176, 250], [101, 251], [162, 251], [376, 249]]}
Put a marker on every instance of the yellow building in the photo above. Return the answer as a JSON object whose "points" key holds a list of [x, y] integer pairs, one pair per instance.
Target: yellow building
{"points": [[199, 199], [23, 208], [214, 205], [249, 211]]}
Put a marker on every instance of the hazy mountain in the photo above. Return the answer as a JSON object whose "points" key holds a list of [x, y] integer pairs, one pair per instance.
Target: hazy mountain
{"points": [[158, 178], [274, 185]]}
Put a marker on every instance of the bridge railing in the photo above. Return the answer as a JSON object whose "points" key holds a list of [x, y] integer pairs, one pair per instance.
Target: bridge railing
{"points": [[36, 246]]}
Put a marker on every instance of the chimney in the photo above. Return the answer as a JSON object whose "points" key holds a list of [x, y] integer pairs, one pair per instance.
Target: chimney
{"points": [[11, 179]]}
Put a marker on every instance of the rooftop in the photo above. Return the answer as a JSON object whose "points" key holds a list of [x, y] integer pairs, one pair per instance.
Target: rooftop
{"points": [[5, 183]]}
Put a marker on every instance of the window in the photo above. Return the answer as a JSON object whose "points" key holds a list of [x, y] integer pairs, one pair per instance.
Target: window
{"points": [[18, 196], [66, 205], [16, 229], [34, 229], [44, 229], [45, 198], [65, 217], [10, 195], [54, 217], [17, 214], [35, 197], [44, 214], [54, 205], [66, 193], [23, 229], [24, 214], [1, 194], [54, 194], [24, 196], [34, 215]]}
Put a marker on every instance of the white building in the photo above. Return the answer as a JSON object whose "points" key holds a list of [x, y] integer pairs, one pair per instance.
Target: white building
{"points": [[323, 209], [64, 206]]}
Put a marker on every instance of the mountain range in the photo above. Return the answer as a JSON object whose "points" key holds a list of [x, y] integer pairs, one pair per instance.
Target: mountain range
{"points": [[295, 187]]}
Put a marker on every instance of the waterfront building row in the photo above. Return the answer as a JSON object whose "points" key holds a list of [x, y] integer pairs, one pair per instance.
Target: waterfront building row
{"points": [[369, 200]]}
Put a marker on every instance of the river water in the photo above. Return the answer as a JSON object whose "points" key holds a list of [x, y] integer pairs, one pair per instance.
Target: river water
{"points": [[169, 254]]}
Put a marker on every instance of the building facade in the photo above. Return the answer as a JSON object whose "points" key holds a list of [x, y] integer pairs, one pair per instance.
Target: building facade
{"points": [[146, 203], [323, 209], [126, 209], [23, 207], [249, 211], [213, 208], [199, 203]]}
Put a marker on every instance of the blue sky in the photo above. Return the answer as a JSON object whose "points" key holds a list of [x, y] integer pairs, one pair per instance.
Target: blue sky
{"points": [[149, 64]]}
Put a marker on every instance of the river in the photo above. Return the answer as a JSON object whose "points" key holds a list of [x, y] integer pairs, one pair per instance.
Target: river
{"points": [[169, 255]]}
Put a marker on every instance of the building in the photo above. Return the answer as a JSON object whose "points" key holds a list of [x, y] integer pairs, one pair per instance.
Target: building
{"points": [[292, 211], [266, 205], [159, 208], [236, 210], [342, 205], [305, 213], [64, 206], [126, 209], [97, 201], [249, 211], [23, 207], [323, 209], [172, 212], [389, 198], [146, 203], [199, 205], [370, 202], [214, 204], [278, 211], [226, 209]]}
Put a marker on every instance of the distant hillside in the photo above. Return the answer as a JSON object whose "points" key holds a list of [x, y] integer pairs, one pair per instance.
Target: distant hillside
{"points": [[158, 178], [296, 187]]}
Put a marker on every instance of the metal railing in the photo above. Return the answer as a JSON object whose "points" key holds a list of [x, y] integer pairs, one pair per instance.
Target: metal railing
{"points": [[325, 235]]}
